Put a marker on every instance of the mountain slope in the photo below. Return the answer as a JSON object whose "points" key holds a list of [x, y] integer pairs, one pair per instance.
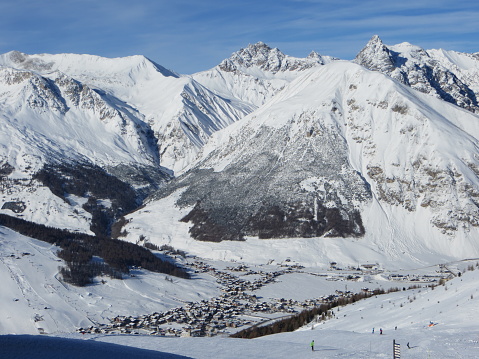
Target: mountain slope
{"points": [[70, 123], [124, 115], [342, 151], [181, 113], [55, 121]]}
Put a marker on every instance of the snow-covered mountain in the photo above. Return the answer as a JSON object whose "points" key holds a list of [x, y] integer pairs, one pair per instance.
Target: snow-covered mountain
{"points": [[57, 121], [256, 73], [324, 141], [449, 75], [265, 159], [125, 116], [120, 117], [180, 112], [341, 152]]}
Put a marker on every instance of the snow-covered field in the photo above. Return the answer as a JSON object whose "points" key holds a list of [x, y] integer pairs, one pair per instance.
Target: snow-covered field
{"points": [[33, 300], [32, 297], [452, 308]]}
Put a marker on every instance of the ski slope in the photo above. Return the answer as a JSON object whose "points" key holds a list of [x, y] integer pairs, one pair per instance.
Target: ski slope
{"points": [[452, 308], [34, 301]]}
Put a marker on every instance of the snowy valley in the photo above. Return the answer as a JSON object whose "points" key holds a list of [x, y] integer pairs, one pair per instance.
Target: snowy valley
{"points": [[277, 183]]}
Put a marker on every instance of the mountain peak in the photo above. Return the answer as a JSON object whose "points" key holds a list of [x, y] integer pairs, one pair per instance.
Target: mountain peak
{"points": [[262, 57], [257, 55], [74, 64], [259, 46], [415, 67], [314, 55], [375, 56], [375, 39]]}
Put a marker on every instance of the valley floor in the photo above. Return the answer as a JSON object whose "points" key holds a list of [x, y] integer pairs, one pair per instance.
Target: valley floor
{"points": [[439, 322]]}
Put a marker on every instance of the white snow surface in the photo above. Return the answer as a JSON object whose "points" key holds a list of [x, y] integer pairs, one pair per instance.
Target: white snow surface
{"points": [[33, 297], [403, 316]]}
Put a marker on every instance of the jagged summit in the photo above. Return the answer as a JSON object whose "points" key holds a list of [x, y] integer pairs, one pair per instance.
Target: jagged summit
{"points": [[263, 57], [376, 56], [419, 69], [259, 55], [314, 55], [255, 74]]}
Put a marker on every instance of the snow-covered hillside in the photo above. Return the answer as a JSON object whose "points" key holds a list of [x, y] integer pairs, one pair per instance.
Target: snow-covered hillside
{"points": [[342, 151], [33, 295]]}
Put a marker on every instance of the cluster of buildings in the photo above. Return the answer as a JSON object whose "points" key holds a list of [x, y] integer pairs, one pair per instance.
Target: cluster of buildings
{"points": [[234, 308]]}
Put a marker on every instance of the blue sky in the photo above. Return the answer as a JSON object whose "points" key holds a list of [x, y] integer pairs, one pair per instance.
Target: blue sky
{"points": [[189, 36]]}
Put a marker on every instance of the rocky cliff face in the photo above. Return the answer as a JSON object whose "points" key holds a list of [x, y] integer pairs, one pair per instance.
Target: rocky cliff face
{"points": [[419, 69]]}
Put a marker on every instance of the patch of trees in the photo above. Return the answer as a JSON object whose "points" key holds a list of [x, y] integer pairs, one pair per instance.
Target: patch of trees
{"points": [[87, 256], [6, 169], [167, 249], [300, 220], [285, 220], [83, 274], [306, 316], [284, 325], [94, 183], [210, 225]]}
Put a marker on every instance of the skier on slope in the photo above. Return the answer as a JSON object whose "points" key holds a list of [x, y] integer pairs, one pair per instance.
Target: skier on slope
{"points": [[312, 345]]}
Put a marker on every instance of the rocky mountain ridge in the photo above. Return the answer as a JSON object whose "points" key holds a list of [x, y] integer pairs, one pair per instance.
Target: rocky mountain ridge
{"points": [[260, 56], [255, 74], [423, 70]]}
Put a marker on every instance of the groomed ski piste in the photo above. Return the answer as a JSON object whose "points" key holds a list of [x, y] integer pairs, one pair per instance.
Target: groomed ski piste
{"points": [[404, 316]]}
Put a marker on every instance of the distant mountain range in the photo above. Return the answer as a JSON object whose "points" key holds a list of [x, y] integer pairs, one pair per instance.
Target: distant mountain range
{"points": [[383, 148]]}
